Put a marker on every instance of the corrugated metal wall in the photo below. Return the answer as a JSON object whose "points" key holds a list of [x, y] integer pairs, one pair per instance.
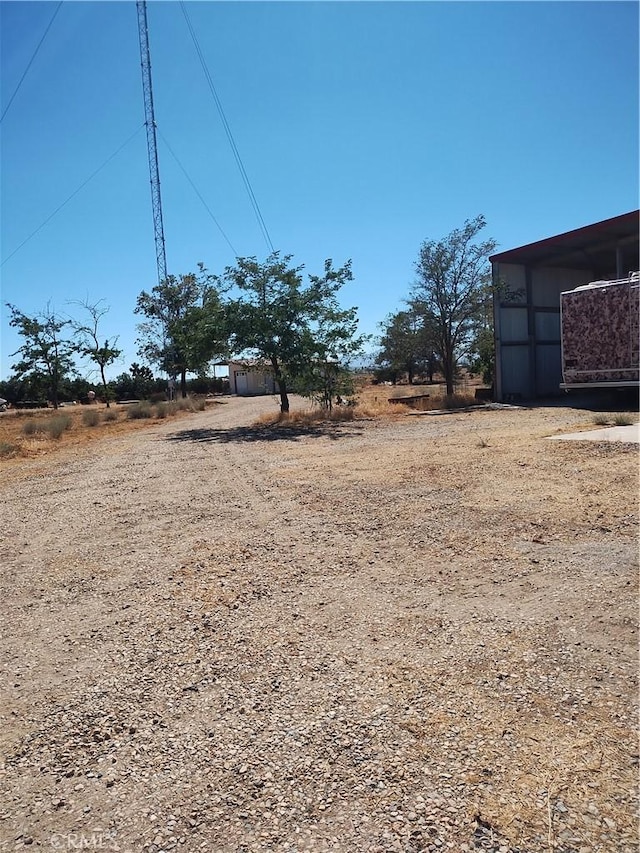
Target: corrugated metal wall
{"points": [[527, 324]]}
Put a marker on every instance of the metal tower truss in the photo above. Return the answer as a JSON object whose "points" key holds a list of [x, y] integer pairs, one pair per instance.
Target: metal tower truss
{"points": [[152, 148]]}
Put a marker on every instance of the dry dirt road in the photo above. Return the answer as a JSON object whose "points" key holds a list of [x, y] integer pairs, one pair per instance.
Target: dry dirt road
{"points": [[407, 635]]}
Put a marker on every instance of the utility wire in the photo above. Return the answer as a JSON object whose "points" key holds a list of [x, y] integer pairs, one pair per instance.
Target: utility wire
{"points": [[225, 124], [35, 53], [197, 192], [73, 194]]}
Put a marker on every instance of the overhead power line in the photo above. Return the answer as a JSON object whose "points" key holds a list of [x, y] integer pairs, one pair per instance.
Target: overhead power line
{"points": [[225, 124], [197, 191], [73, 195], [35, 53]]}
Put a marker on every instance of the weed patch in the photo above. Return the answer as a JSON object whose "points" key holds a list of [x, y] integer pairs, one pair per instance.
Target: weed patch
{"points": [[309, 417], [56, 425], [458, 401], [91, 417], [623, 420], [137, 411], [190, 404]]}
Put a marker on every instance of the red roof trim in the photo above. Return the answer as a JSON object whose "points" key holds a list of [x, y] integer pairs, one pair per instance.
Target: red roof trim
{"points": [[626, 220]]}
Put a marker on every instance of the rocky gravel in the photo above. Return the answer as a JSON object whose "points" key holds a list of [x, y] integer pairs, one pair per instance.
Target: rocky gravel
{"points": [[416, 634]]}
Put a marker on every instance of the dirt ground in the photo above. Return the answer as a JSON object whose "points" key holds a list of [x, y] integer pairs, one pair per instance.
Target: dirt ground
{"points": [[416, 633]]}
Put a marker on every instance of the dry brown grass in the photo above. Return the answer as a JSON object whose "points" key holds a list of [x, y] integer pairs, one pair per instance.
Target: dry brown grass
{"points": [[307, 417], [26, 434], [374, 402], [377, 400]]}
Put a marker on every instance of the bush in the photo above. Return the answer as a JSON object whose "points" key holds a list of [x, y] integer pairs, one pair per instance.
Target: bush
{"points": [[7, 449], [139, 410], [458, 401], [91, 417], [190, 404], [110, 415], [623, 420], [184, 404], [163, 410], [56, 425], [601, 420], [30, 427], [309, 417]]}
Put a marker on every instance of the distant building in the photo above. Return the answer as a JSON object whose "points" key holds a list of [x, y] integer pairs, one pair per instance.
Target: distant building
{"points": [[530, 280], [251, 378]]}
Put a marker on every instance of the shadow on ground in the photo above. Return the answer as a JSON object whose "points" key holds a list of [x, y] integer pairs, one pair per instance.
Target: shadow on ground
{"points": [[595, 400], [266, 433]]}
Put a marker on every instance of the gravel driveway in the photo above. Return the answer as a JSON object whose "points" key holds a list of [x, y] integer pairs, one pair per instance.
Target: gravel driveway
{"points": [[409, 635]]}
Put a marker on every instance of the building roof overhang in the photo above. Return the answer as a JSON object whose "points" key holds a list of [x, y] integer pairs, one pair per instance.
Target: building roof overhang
{"points": [[590, 247]]}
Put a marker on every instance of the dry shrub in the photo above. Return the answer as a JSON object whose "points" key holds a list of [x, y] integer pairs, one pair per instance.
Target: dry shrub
{"points": [[91, 417], [190, 404], [458, 401], [623, 420], [379, 408], [163, 410], [601, 420], [7, 449], [30, 427], [308, 417], [449, 402], [110, 415], [137, 411], [56, 425]]}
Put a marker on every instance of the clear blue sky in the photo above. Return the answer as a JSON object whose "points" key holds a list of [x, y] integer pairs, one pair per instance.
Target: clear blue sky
{"points": [[365, 128]]}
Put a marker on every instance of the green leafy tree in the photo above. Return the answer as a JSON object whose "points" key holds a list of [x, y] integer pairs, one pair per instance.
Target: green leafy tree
{"points": [[483, 355], [183, 327], [142, 379], [407, 345], [298, 328], [88, 342], [136, 384], [483, 347], [453, 287], [46, 355]]}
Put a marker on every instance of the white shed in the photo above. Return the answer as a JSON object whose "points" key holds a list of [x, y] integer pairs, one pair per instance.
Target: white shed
{"points": [[251, 378]]}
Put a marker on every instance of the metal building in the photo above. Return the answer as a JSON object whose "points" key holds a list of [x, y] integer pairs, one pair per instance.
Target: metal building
{"points": [[251, 378], [529, 281]]}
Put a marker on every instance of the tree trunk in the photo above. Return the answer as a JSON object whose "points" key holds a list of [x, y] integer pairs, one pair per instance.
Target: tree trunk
{"points": [[282, 386], [284, 398], [54, 388], [183, 384], [104, 385], [448, 361], [448, 370]]}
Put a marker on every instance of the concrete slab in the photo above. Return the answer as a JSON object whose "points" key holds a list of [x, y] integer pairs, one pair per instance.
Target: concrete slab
{"points": [[628, 434]]}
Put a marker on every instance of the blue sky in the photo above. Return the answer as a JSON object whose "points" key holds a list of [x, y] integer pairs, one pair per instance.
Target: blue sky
{"points": [[365, 128]]}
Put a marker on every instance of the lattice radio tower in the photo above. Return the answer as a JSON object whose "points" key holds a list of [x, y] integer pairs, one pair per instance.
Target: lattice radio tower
{"points": [[152, 148]]}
